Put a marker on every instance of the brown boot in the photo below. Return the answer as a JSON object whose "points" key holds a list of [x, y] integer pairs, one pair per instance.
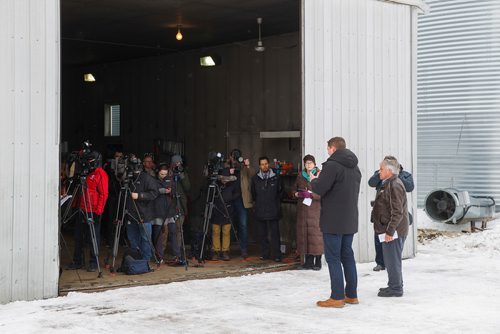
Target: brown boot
{"points": [[351, 300], [225, 256], [330, 302]]}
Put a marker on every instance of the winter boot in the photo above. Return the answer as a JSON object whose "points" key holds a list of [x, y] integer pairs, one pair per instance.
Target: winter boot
{"points": [[308, 263], [317, 262]]}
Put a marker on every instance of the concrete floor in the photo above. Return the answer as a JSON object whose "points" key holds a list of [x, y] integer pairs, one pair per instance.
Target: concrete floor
{"points": [[83, 281]]}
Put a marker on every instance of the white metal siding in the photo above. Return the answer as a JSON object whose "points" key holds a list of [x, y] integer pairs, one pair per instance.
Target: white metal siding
{"points": [[459, 97], [29, 142], [358, 65]]}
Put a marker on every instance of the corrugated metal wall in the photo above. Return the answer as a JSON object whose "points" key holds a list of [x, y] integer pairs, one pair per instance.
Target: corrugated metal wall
{"points": [[359, 70], [459, 97], [29, 142]]}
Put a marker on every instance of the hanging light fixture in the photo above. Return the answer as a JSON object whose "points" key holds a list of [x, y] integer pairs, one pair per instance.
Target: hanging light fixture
{"points": [[178, 36]]}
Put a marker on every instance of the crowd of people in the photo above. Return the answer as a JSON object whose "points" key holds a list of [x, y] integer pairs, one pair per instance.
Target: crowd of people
{"points": [[154, 205]]}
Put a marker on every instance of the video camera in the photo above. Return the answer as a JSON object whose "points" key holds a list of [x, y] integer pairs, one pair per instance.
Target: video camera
{"points": [[215, 164], [236, 155], [82, 162], [125, 167]]}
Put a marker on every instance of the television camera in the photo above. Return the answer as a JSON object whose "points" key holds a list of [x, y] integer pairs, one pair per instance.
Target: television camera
{"points": [[82, 162]]}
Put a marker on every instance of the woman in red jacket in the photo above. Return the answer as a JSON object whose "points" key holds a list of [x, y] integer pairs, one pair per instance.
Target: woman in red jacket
{"points": [[95, 195]]}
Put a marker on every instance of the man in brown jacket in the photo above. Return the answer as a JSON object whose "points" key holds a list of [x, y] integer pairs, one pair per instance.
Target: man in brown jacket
{"points": [[390, 220]]}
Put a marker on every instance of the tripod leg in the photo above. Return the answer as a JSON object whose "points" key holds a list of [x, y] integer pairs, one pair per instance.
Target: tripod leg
{"points": [[118, 227], [148, 236], [95, 246], [183, 247], [90, 222], [227, 215]]}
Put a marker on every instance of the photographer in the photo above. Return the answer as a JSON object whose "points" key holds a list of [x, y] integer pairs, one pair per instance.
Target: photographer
{"points": [[144, 190], [95, 194], [240, 167]]}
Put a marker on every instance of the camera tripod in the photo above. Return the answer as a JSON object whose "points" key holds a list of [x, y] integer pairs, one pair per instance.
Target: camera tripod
{"points": [[126, 194], [213, 192], [81, 191]]}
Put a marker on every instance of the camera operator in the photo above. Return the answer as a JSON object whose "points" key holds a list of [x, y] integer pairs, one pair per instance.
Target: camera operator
{"points": [[240, 167], [96, 194], [220, 222], [144, 190], [180, 179]]}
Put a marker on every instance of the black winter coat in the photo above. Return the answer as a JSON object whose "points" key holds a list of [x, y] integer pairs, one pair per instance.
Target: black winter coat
{"points": [[162, 202], [229, 192], [267, 193], [338, 185], [147, 188], [404, 176]]}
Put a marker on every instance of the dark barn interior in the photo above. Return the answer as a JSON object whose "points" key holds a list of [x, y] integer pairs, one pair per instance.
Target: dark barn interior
{"points": [[168, 103]]}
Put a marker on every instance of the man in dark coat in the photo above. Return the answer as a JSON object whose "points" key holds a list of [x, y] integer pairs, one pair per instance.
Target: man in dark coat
{"points": [[267, 189], [376, 182], [141, 210], [390, 215], [338, 185]]}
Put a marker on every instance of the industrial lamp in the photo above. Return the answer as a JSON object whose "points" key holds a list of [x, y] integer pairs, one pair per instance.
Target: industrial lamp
{"points": [[88, 77], [210, 60]]}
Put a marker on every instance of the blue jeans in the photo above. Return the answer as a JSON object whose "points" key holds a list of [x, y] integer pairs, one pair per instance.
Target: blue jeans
{"points": [[140, 237], [340, 258], [241, 214]]}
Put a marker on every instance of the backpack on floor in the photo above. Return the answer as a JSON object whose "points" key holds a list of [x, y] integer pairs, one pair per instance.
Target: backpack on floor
{"points": [[132, 262], [131, 266]]}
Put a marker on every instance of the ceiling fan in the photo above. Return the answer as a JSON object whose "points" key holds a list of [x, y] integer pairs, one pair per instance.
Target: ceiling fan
{"points": [[260, 46]]}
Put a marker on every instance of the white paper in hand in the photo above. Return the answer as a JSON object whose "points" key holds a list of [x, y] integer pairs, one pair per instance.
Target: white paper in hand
{"points": [[307, 201], [381, 236]]}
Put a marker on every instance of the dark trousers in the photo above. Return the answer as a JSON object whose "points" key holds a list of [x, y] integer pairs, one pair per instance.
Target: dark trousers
{"points": [[379, 255], [393, 263], [341, 264], [82, 236], [241, 215], [270, 228]]}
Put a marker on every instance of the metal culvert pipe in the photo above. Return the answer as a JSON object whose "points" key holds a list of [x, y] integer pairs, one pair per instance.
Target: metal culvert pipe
{"points": [[453, 206]]}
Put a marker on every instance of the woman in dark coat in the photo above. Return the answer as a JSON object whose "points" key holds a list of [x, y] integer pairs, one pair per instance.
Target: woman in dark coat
{"points": [[309, 236]]}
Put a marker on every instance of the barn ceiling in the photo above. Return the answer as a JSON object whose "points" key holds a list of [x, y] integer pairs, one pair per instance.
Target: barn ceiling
{"points": [[101, 31]]}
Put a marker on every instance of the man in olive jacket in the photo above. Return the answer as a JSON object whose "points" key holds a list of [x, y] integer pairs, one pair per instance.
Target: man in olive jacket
{"points": [[338, 185], [390, 215]]}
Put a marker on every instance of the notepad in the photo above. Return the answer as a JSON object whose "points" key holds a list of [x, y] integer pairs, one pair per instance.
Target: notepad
{"points": [[381, 236]]}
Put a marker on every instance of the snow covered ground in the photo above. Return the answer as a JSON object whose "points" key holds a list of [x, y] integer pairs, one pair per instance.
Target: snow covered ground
{"points": [[452, 286]]}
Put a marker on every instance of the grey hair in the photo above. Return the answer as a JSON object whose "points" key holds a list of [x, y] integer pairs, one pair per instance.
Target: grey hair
{"points": [[392, 164]]}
